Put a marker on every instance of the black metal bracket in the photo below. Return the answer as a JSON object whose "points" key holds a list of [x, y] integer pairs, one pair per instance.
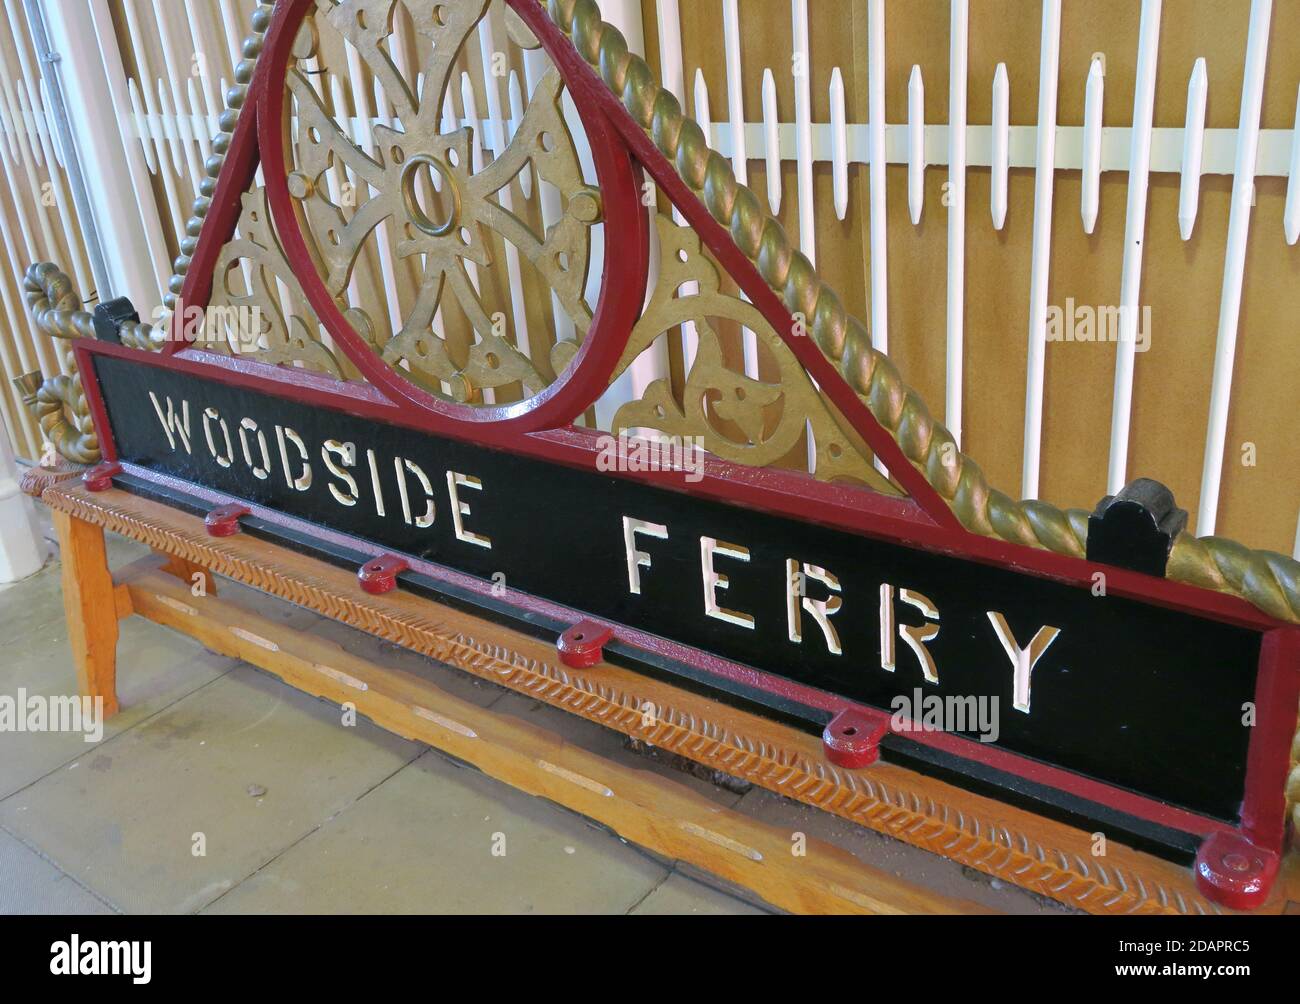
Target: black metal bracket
{"points": [[1135, 529], [110, 316]]}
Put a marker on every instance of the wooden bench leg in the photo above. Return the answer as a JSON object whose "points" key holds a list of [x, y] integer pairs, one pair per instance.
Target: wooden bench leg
{"points": [[188, 572], [90, 606]]}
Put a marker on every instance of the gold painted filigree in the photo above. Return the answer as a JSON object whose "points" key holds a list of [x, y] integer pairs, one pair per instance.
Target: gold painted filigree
{"points": [[250, 316], [441, 206], [739, 418]]}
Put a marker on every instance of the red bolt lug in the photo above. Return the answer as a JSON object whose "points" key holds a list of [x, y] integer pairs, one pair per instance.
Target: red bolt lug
{"points": [[100, 477], [223, 521], [1234, 872], [852, 739], [379, 575], [583, 645]]}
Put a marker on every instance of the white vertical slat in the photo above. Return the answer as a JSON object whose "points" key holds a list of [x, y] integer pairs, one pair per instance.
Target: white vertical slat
{"points": [[801, 63], [1295, 551], [196, 106], [10, 133], [49, 125], [1291, 214], [956, 318], [339, 103], [700, 93], [1090, 190], [30, 250], [705, 119], [181, 136], [735, 90], [879, 228], [365, 139], [1189, 191], [739, 152], [469, 104], [1000, 159], [29, 99], [212, 99], [149, 141], [149, 94], [915, 144], [231, 20], [673, 77], [172, 98], [535, 66], [771, 142], [66, 213], [514, 273], [92, 75], [651, 364], [516, 118], [1135, 227], [839, 145], [1243, 192], [1040, 272]]}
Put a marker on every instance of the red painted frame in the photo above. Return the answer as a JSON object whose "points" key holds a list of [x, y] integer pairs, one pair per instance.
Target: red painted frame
{"points": [[1277, 687], [539, 427]]}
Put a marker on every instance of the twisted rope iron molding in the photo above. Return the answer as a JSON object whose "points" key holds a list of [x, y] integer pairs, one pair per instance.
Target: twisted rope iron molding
{"points": [[1270, 581]]}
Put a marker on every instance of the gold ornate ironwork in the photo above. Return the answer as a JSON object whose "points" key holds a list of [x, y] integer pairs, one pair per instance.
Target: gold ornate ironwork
{"points": [[440, 206], [249, 316], [58, 401], [739, 418], [1268, 580]]}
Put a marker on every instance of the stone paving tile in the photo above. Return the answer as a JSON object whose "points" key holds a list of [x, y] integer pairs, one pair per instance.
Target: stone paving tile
{"points": [[30, 884], [679, 895], [156, 667], [127, 818], [424, 841]]}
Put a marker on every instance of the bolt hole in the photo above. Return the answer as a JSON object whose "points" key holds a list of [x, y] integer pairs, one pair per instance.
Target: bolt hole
{"points": [[850, 731]]}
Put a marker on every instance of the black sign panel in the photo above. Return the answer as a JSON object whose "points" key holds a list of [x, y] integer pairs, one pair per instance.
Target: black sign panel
{"points": [[1138, 696]]}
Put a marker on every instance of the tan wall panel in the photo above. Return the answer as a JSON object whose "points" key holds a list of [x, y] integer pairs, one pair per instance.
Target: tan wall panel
{"points": [[1181, 281]]}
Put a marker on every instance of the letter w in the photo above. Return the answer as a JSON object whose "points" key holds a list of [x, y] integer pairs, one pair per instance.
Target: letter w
{"points": [[173, 426]]}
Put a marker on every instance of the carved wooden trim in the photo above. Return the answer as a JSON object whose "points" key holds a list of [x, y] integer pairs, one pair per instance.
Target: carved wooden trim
{"points": [[1015, 846]]}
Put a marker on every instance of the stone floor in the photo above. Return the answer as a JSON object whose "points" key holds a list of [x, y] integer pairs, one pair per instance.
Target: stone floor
{"points": [[220, 789]]}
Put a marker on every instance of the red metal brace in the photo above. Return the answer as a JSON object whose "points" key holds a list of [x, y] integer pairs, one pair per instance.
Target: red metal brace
{"points": [[223, 521], [1234, 872], [379, 575], [852, 739], [583, 645], [100, 477]]}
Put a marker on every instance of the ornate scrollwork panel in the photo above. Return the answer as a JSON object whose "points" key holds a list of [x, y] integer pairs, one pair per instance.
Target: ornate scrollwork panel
{"points": [[251, 318], [443, 210], [740, 418]]}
